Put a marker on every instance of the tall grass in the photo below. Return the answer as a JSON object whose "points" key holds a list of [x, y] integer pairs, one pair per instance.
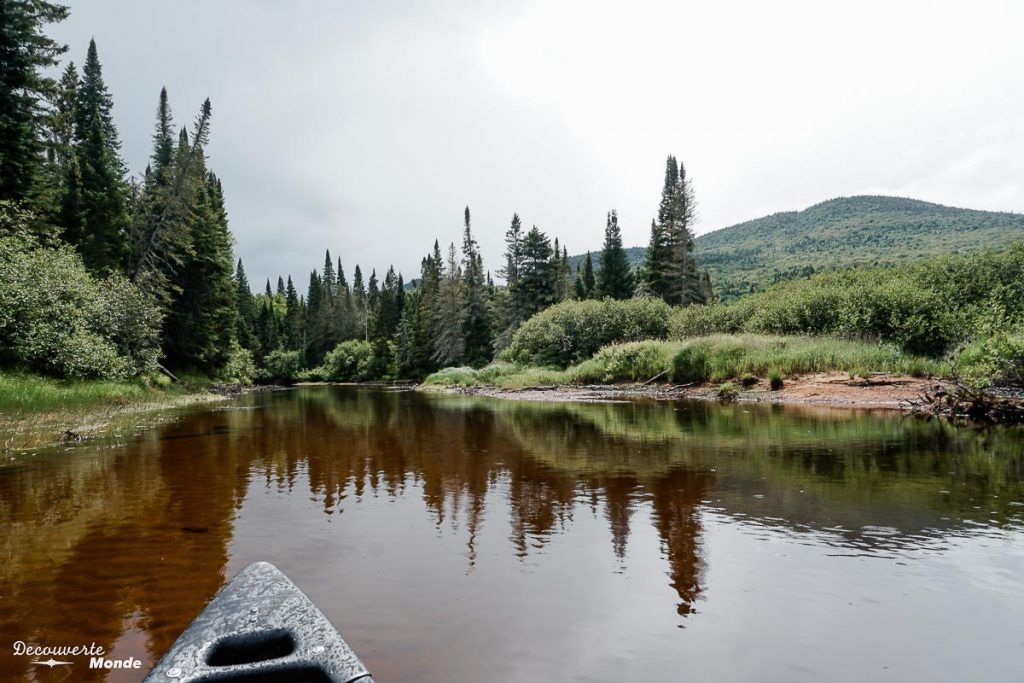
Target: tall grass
{"points": [[713, 358], [21, 393]]}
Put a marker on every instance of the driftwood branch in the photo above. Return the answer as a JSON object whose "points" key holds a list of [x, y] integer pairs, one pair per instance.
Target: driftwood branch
{"points": [[660, 374]]}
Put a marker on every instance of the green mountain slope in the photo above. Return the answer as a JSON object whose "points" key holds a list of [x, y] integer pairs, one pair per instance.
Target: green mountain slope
{"points": [[843, 232]]}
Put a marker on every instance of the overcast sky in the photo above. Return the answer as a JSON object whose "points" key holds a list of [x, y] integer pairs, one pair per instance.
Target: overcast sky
{"points": [[366, 127]]}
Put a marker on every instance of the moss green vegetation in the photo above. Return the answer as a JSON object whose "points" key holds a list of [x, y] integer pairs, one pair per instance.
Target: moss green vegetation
{"points": [[715, 358], [840, 233], [39, 411], [573, 331], [930, 308]]}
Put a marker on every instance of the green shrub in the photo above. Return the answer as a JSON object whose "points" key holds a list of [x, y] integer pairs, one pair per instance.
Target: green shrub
{"points": [[690, 364], [281, 366], [631, 362], [573, 331], [995, 361], [349, 361], [240, 367], [775, 380], [925, 309], [57, 319], [462, 377]]}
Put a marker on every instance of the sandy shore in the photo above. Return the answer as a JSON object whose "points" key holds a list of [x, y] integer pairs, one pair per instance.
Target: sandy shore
{"points": [[881, 392]]}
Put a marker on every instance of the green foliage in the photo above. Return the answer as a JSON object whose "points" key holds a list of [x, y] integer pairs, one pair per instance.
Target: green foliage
{"points": [[572, 331], [926, 308], [994, 361], [461, 377], [280, 366], [349, 361], [26, 53], [615, 278], [717, 358], [747, 380], [57, 319], [631, 362], [240, 366]]}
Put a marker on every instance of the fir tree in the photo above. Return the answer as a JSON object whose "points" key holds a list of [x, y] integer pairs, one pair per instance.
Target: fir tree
{"points": [[360, 305], [615, 279], [161, 232], [449, 340], [245, 305], [26, 53], [329, 282], [281, 291], [104, 220], [578, 286], [292, 318], [589, 282], [535, 290], [476, 326], [684, 286]]}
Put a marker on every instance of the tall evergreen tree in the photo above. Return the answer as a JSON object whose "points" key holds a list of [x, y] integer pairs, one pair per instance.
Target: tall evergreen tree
{"points": [[360, 305], [684, 287], [292, 318], [615, 279], [535, 290], [589, 282], [449, 340], [103, 188], [245, 305], [476, 327], [26, 53], [200, 326], [161, 232]]}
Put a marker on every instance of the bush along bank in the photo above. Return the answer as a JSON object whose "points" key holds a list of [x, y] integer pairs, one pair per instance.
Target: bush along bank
{"points": [[711, 359]]}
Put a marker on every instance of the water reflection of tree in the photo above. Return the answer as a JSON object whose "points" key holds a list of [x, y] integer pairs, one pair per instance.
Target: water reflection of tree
{"points": [[143, 533]]}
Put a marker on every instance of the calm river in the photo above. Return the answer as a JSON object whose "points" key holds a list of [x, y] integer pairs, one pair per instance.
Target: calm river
{"points": [[456, 539]]}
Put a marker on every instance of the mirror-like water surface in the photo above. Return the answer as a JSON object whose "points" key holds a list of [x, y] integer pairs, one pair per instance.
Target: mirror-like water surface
{"points": [[455, 539]]}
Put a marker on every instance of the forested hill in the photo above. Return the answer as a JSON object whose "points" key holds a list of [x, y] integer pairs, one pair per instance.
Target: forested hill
{"points": [[842, 232]]}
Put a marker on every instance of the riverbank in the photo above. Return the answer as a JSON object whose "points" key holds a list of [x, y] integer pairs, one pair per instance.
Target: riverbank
{"points": [[879, 392], [37, 412]]}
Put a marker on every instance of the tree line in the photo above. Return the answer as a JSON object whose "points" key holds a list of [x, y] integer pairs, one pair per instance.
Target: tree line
{"points": [[455, 314], [164, 238]]}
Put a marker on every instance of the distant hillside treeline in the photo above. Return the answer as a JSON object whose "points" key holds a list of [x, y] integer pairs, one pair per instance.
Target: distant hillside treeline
{"points": [[848, 231]]}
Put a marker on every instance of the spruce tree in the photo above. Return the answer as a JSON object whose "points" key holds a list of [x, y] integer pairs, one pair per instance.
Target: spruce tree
{"points": [[245, 305], [589, 282], [579, 289], [362, 320], [61, 147], [449, 340], [476, 326], [535, 290], [26, 53], [615, 279], [104, 220], [161, 231], [201, 322], [292, 318]]}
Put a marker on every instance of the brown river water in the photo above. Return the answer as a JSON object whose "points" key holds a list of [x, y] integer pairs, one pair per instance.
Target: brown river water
{"points": [[467, 539]]}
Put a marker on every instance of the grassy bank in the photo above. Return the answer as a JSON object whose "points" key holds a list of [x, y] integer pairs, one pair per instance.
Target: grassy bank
{"points": [[38, 411], [714, 358]]}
